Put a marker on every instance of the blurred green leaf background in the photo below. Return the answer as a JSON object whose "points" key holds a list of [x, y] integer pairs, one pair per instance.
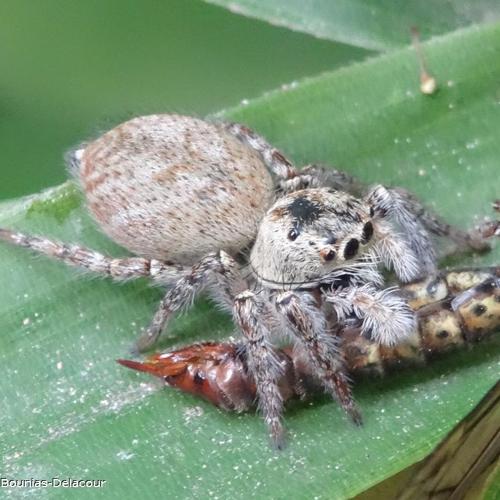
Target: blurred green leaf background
{"points": [[371, 24], [71, 69]]}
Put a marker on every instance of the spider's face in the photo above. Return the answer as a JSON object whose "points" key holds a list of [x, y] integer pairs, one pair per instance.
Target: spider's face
{"points": [[308, 234]]}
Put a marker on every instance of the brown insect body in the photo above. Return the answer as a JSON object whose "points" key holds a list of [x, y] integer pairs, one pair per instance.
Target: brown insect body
{"points": [[466, 310], [210, 370]]}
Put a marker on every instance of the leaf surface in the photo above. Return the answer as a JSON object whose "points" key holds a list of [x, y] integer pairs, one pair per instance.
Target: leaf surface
{"points": [[372, 24]]}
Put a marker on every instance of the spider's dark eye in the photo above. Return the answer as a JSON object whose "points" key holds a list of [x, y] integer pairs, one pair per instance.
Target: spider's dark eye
{"points": [[367, 233], [292, 234], [351, 249]]}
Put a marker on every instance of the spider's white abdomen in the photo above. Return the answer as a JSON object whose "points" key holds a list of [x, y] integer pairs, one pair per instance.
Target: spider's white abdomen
{"points": [[175, 188]]}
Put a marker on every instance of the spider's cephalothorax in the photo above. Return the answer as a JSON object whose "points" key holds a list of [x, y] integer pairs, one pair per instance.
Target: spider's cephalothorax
{"points": [[190, 197], [310, 235]]}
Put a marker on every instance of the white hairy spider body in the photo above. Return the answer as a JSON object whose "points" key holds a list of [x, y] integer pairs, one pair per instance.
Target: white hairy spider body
{"points": [[191, 199]]}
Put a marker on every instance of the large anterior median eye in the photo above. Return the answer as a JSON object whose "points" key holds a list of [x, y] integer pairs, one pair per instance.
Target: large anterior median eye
{"points": [[351, 249], [292, 234]]}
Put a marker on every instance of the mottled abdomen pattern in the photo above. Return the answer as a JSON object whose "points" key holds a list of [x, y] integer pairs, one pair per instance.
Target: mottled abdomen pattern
{"points": [[174, 188]]}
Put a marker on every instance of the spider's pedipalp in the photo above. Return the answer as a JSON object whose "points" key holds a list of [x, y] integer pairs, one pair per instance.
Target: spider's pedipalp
{"points": [[308, 326], [263, 362], [385, 315]]}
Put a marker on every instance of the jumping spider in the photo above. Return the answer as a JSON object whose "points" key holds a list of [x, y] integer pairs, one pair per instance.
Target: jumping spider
{"points": [[290, 252]]}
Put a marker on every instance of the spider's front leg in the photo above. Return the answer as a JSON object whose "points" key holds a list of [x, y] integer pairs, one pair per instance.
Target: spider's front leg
{"points": [[263, 362], [217, 271], [416, 224], [391, 204], [396, 253], [307, 324], [385, 316]]}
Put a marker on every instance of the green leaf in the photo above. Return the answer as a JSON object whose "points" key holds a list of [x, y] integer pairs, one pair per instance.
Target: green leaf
{"points": [[69, 410], [139, 58], [372, 24]]}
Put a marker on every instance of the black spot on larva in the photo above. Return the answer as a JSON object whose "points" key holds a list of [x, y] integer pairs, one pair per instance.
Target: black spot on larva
{"points": [[351, 249], [442, 334], [487, 286], [304, 211], [432, 287], [367, 233], [479, 309]]}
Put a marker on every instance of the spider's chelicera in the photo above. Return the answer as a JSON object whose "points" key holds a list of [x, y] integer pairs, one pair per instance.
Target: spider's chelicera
{"points": [[295, 253]]}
